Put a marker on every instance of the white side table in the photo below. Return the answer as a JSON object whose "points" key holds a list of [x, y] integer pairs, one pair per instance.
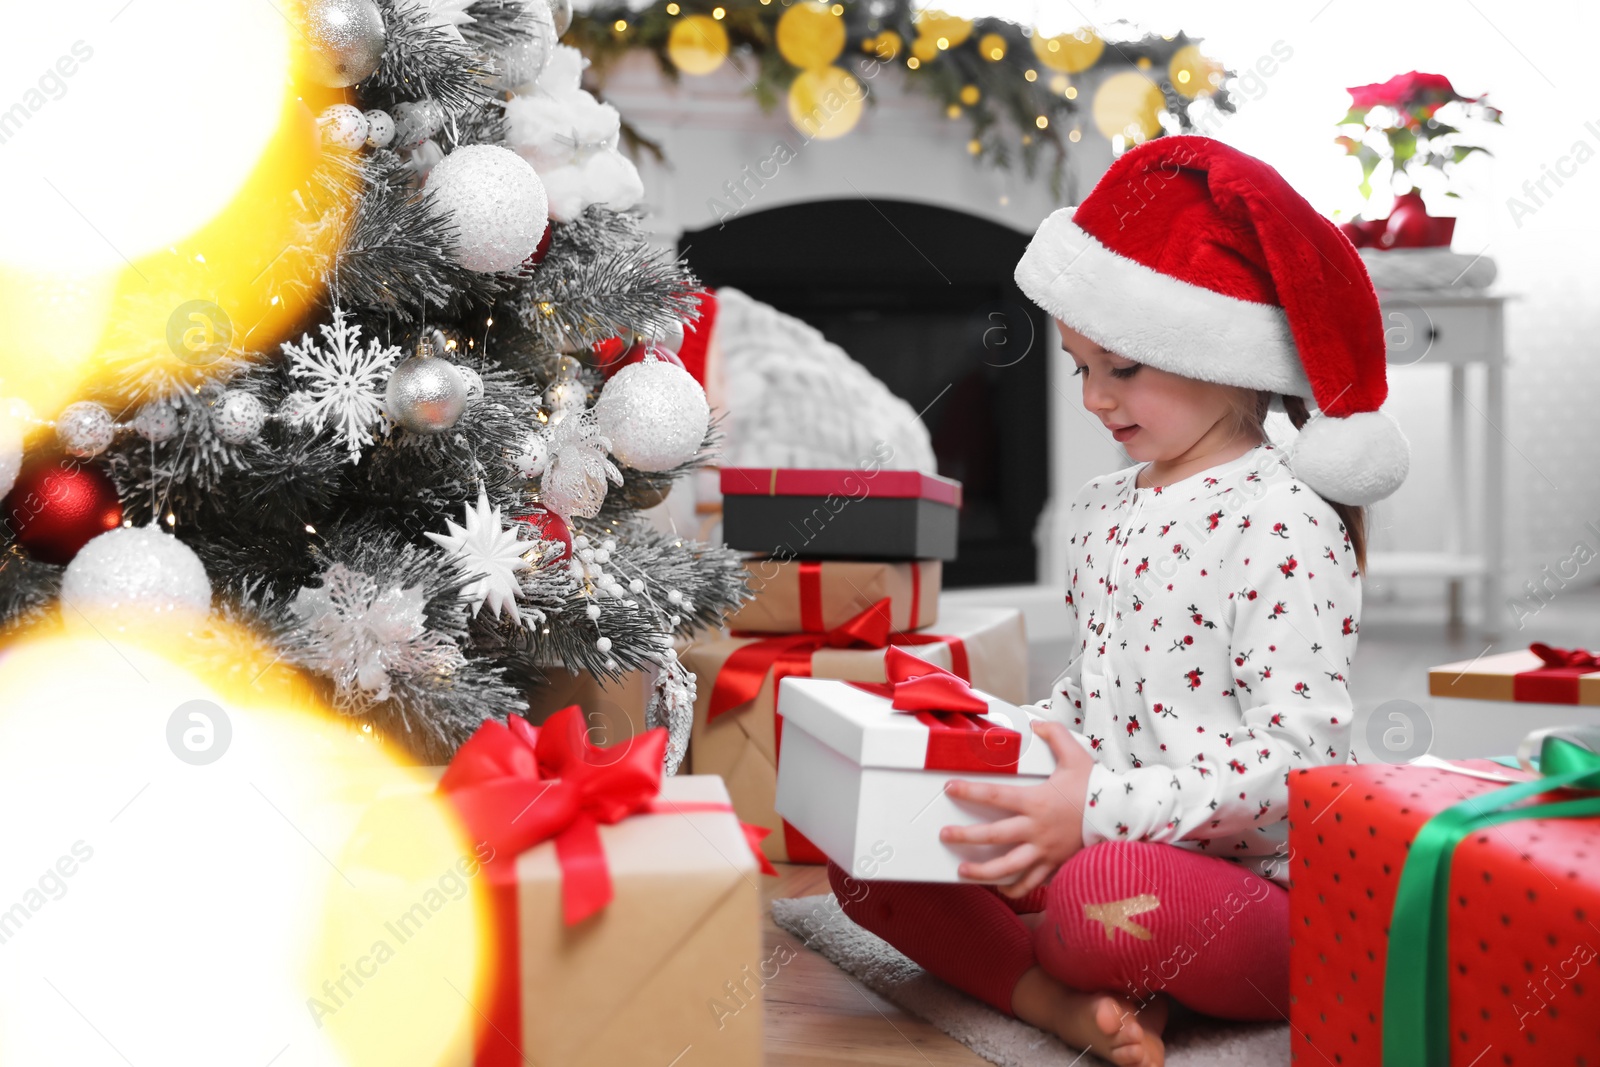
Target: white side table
{"points": [[1458, 328]]}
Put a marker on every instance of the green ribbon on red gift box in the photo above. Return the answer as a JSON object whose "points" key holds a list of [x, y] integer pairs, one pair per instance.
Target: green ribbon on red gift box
{"points": [[1416, 991]]}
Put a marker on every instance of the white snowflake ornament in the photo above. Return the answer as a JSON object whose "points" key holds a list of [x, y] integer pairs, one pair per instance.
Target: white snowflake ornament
{"points": [[344, 383], [494, 554]]}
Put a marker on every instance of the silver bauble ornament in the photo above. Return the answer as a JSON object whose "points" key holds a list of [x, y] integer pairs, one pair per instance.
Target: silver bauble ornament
{"points": [[346, 38], [238, 417], [425, 394], [495, 201], [156, 422], [473, 381], [524, 61], [380, 128], [343, 126], [561, 13], [133, 572], [654, 413], [85, 429], [415, 121]]}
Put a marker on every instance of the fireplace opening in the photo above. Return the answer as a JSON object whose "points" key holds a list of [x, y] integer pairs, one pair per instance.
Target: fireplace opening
{"points": [[923, 297]]}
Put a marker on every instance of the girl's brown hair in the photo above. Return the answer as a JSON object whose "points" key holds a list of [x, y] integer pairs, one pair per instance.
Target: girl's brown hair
{"points": [[1250, 416]]}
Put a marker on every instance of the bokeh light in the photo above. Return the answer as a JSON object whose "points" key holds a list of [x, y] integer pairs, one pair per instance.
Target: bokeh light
{"points": [[195, 850], [698, 44], [149, 162], [810, 35], [1128, 104], [826, 103], [1069, 52]]}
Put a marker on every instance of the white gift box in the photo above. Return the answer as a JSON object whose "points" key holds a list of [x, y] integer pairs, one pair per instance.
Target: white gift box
{"points": [[866, 783]]}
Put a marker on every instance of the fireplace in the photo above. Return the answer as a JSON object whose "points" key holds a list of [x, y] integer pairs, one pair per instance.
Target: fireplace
{"points": [[923, 297]]}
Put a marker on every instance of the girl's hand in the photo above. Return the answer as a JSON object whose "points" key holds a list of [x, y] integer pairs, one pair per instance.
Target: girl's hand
{"points": [[1048, 826]]}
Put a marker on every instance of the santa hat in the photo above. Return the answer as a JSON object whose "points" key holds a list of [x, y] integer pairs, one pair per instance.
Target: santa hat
{"points": [[1198, 259]]}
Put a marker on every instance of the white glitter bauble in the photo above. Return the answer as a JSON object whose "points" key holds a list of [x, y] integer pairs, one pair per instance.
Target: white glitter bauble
{"points": [[496, 202], [655, 415], [380, 128], [535, 454], [85, 429], [156, 422], [473, 381], [343, 126], [523, 62], [425, 394], [239, 417], [415, 121], [135, 571], [10, 450], [568, 394]]}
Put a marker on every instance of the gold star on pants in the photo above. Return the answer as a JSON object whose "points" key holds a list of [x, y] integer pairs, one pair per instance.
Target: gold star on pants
{"points": [[1117, 915]]}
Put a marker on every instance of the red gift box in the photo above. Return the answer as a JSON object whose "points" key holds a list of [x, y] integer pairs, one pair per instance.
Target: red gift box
{"points": [[1512, 976]]}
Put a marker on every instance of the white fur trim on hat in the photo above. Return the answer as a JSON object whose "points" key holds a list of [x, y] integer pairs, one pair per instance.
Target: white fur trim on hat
{"points": [[1358, 459], [1154, 318]]}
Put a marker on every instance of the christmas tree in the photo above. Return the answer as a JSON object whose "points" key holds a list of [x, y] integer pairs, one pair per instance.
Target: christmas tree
{"points": [[419, 486]]}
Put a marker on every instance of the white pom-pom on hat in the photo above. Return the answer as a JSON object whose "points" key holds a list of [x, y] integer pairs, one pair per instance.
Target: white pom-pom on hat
{"points": [[1358, 459]]}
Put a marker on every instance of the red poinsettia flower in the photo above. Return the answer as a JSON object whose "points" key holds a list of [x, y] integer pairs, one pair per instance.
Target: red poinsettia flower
{"points": [[1403, 90]]}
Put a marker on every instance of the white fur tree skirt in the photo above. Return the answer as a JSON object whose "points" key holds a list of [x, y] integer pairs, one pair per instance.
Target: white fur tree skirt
{"points": [[1191, 1041]]}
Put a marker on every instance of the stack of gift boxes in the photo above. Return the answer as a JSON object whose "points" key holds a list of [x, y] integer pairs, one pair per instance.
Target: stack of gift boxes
{"points": [[845, 564], [626, 921]]}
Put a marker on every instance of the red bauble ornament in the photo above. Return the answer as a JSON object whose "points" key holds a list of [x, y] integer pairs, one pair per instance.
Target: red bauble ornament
{"points": [[548, 526], [58, 504], [636, 354], [536, 257]]}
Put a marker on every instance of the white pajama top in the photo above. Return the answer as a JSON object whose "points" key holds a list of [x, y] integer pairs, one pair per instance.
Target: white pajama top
{"points": [[1215, 620]]}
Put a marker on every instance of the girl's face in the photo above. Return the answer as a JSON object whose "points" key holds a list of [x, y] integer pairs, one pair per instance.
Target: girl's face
{"points": [[1157, 416]]}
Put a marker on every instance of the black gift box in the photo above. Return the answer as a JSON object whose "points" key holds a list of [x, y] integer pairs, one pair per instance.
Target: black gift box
{"points": [[840, 514]]}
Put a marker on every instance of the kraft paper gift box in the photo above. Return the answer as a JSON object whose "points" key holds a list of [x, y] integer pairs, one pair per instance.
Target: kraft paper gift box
{"points": [[798, 513], [638, 979], [866, 783], [738, 736], [1548, 686], [1423, 935], [810, 596]]}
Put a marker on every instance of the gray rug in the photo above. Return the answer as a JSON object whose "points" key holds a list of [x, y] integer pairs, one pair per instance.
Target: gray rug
{"points": [[1192, 1041]]}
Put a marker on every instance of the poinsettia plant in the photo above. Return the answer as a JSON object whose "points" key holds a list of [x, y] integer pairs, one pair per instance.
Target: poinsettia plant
{"points": [[1400, 122]]}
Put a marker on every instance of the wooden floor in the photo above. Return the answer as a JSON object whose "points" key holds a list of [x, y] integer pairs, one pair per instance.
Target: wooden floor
{"points": [[818, 1015]]}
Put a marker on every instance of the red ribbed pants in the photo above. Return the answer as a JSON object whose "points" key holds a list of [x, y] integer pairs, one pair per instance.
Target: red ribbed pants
{"points": [[1131, 918]]}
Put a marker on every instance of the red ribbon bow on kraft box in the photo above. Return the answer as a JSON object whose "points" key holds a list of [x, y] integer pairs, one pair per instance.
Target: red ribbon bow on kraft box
{"points": [[1541, 674], [620, 831]]}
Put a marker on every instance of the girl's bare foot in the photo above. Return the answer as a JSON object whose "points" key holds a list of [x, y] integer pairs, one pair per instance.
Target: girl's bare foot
{"points": [[1110, 1026]]}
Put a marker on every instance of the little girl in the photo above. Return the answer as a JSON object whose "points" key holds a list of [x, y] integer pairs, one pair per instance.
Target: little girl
{"points": [[1215, 595]]}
